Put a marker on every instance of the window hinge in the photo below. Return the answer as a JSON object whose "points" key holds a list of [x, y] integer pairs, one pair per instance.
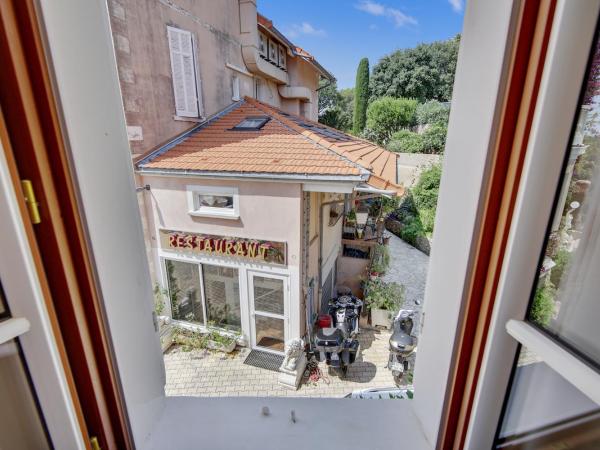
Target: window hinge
{"points": [[94, 443], [32, 204]]}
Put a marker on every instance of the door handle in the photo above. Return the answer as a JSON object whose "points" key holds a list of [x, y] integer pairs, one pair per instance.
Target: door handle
{"points": [[12, 328]]}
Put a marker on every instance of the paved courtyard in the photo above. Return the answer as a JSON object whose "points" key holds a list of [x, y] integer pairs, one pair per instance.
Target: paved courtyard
{"points": [[211, 374]]}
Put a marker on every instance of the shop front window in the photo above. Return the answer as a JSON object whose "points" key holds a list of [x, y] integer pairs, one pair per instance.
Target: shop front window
{"points": [[222, 293], [220, 300], [183, 281]]}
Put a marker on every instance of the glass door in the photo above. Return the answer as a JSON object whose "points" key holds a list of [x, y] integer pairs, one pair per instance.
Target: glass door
{"points": [[268, 306]]}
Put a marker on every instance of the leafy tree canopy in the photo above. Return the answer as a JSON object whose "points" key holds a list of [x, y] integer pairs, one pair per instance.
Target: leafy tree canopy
{"points": [[425, 72], [387, 115], [336, 106]]}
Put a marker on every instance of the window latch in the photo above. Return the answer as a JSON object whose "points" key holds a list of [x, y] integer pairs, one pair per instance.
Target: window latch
{"points": [[94, 443], [32, 204]]}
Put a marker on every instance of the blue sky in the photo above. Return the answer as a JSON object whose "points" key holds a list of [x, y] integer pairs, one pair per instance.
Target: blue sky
{"points": [[341, 32]]}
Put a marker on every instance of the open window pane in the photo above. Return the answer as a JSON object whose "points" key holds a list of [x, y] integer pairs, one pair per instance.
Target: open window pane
{"points": [[183, 280], [222, 293], [565, 302], [544, 409]]}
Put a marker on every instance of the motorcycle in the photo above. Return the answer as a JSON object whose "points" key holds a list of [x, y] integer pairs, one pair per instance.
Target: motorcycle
{"points": [[402, 343], [335, 338]]}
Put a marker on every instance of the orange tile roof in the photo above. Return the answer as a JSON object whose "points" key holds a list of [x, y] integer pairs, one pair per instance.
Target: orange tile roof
{"points": [[286, 144]]}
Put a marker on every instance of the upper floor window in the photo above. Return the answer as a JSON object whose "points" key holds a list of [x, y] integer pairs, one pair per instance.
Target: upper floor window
{"points": [[183, 70], [213, 201], [235, 88]]}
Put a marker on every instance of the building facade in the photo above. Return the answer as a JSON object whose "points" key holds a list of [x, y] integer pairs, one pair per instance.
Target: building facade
{"points": [[182, 61]]}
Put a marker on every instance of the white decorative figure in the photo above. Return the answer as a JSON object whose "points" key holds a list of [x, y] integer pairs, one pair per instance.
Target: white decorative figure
{"points": [[293, 365]]}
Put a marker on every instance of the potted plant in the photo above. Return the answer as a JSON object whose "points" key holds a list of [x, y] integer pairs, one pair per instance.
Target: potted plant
{"points": [[380, 260], [350, 222], [383, 300]]}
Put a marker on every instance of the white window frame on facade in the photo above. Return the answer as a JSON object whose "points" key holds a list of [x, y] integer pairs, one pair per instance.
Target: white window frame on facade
{"points": [[273, 51], [85, 73], [235, 88], [564, 71], [282, 58], [263, 45], [195, 209], [184, 72]]}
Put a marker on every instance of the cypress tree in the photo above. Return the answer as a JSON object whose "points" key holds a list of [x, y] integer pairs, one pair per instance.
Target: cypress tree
{"points": [[361, 96]]}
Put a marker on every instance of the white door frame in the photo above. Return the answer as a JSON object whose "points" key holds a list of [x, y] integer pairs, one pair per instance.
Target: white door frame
{"points": [[254, 313]]}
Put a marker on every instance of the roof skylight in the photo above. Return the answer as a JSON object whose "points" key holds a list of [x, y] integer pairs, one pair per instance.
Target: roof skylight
{"points": [[251, 123]]}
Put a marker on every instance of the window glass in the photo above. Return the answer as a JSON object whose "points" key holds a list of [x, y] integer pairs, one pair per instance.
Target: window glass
{"points": [[222, 292], [565, 301], [183, 281], [544, 410], [215, 201], [268, 295], [270, 333]]}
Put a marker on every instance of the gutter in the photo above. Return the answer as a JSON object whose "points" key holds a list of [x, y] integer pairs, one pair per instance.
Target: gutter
{"points": [[252, 175]]}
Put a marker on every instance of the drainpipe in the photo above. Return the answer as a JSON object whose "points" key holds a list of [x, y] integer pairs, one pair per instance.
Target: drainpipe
{"points": [[333, 202]]}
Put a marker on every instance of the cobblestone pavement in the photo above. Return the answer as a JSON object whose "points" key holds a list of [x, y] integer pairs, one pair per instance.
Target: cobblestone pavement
{"points": [[210, 374], [408, 266]]}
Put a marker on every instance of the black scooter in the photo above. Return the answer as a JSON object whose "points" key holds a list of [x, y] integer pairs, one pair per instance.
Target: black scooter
{"points": [[402, 343], [335, 341]]}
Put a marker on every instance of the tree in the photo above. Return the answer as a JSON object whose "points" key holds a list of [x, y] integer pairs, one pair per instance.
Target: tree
{"points": [[361, 96], [425, 72], [387, 115], [335, 106]]}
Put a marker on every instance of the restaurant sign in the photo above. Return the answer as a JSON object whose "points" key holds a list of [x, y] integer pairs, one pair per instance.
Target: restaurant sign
{"points": [[256, 250]]}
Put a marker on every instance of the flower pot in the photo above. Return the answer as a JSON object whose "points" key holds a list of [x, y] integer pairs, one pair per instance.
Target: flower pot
{"points": [[381, 317], [386, 240]]}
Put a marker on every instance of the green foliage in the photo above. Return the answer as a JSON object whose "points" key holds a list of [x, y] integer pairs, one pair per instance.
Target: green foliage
{"points": [[387, 115], [542, 308], [434, 138], [561, 259], [159, 299], [432, 112], [361, 96], [381, 259], [424, 72], [382, 295], [195, 340], [412, 229], [426, 190], [335, 107], [406, 141]]}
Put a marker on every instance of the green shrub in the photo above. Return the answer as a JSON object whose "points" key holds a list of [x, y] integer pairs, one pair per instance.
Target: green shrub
{"points": [[542, 308], [427, 217], [426, 190], [387, 115], [361, 96], [434, 138], [432, 112], [381, 259], [412, 229], [406, 141], [561, 259]]}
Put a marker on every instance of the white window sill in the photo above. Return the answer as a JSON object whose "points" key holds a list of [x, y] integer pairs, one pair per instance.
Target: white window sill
{"points": [[188, 119], [187, 422], [215, 214], [202, 328]]}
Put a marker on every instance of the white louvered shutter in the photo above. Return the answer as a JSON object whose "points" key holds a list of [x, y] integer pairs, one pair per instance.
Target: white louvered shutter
{"points": [[184, 72]]}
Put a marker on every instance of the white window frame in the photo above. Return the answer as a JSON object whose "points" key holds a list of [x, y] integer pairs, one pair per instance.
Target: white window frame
{"points": [[86, 74], [235, 88], [282, 57], [194, 208], [263, 45], [566, 60], [273, 51]]}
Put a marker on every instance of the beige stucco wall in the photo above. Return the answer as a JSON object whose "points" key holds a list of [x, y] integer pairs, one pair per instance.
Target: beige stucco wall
{"points": [[140, 37]]}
